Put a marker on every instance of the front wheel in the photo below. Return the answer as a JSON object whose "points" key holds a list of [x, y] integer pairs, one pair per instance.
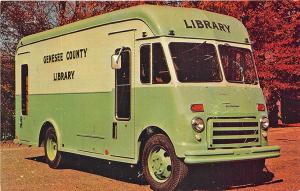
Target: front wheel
{"points": [[52, 155], [161, 167]]}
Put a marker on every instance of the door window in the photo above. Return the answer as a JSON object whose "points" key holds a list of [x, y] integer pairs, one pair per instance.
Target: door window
{"points": [[123, 87]]}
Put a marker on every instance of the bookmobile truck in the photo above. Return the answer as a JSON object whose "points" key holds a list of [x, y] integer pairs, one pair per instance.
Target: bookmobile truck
{"points": [[158, 86]]}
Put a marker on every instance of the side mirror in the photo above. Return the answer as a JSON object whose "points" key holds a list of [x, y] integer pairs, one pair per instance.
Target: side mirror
{"points": [[116, 62]]}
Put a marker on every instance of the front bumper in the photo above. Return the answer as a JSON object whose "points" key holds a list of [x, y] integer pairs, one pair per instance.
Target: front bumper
{"points": [[226, 155]]}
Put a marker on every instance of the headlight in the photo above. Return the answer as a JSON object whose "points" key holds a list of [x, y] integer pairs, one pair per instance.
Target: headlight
{"points": [[264, 123], [198, 124]]}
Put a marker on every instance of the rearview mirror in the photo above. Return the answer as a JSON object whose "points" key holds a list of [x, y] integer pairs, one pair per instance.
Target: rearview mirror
{"points": [[116, 61]]}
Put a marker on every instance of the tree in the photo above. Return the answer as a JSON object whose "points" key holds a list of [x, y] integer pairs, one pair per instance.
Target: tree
{"points": [[273, 28], [275, 35], [18, 19], [274, 31]]}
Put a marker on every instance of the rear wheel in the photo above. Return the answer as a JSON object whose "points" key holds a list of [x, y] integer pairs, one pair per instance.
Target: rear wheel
{"points": [[161, 167], [53, 156]]}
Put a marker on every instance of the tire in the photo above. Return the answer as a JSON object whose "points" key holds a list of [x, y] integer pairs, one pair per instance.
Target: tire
{"points": [[161, 167], [53, 156]]}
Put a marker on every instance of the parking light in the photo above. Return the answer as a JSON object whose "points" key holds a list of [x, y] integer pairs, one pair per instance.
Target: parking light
{"points": [[197, 108], [261, 107]]}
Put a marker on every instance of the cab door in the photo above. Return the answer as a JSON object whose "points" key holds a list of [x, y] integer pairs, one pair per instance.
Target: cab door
{"points": [[122, 143]]}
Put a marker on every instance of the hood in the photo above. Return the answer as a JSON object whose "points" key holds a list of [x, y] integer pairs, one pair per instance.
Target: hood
{"points": [[222, 101]]}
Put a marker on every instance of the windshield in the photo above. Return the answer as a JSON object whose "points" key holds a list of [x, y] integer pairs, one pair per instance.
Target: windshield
{"points": [[195, 62], [238, 64]]}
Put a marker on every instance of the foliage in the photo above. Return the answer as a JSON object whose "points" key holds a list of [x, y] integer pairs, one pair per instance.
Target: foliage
{"points": [[273, 27], [18, 19]]}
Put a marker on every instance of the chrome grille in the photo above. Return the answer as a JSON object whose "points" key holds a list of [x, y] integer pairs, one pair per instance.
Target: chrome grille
{"points": [[233, 133]]}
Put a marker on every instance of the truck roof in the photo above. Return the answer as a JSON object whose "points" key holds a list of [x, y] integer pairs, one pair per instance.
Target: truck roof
{"points": [[162, 20]]}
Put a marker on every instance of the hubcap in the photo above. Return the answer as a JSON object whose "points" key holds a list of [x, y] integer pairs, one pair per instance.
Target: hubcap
{"points": [[159, 164], [51, 147]]}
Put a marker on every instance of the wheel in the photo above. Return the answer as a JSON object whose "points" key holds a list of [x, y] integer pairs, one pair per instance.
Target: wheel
{"points": [[161, 167], [52, 155]]}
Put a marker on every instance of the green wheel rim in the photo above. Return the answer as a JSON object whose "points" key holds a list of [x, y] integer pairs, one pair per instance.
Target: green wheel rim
{"points": [[51, 147], [159, 164]]}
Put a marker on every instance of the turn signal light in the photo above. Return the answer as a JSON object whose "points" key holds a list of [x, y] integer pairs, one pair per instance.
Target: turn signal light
{"points": [[197, 108], [261, 107]]}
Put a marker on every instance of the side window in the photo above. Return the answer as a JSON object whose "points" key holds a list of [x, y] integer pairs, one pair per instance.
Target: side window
{"points": [[160, 71], [24, 89], [145, 64], [123, 76]]}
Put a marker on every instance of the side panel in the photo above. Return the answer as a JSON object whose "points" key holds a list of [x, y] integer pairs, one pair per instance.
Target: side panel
{"points": [[76, 91]]}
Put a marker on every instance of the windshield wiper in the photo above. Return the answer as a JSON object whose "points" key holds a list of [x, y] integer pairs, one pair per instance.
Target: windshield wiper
{"points": [[199, 45], [254, 82], [207, 57]]}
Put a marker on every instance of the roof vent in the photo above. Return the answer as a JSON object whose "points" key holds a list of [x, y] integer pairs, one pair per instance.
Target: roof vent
{"points": [[144, 34], [171, 32]]}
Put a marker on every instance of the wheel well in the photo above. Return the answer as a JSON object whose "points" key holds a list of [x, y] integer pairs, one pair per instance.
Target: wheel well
{"points": [[43, 131], [146, 134]]}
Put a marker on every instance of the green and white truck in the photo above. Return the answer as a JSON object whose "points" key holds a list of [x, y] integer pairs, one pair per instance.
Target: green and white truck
{"points": [[158, 86]]}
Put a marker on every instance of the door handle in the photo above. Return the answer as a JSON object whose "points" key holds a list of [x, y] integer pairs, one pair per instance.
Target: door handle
{"points": [[21, 121], [114, 130]]}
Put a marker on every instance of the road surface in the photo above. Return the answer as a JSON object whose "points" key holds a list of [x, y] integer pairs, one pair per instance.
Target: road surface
{"points": [[23, 168]]}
